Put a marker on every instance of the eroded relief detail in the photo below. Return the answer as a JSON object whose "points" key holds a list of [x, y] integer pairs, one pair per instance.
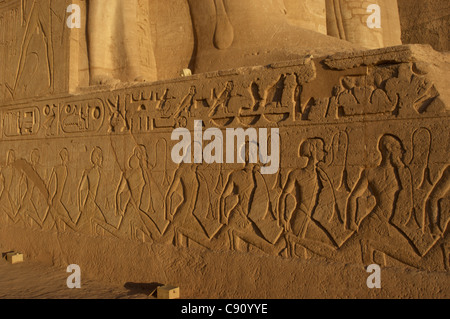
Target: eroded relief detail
{"points": [[32, 40], [384, 93], [321, 207], [362, 176], [277, 95]]}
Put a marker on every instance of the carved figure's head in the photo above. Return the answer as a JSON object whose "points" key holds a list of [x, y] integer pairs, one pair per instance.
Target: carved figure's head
{"points": [[313, 148], [64, 154], [35, 156], [140, 152], [133, 162], [97, 157], [10, 157], [391, 149]]}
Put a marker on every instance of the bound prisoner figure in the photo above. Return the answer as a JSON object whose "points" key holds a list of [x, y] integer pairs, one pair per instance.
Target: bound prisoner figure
{"points": [[233, 33]]}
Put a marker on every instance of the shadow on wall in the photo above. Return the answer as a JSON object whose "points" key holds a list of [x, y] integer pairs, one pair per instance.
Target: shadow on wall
{"points": [[5, 254], [142, 288]]}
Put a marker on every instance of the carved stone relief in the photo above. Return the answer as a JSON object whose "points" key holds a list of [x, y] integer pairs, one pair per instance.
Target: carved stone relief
{"points": [[32, 41], [362, 177]]}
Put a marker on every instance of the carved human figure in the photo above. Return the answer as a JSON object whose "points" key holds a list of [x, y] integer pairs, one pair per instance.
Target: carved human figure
{"points": [[12, 179], [119, 30], [201, 226], [236, 204], [438, 216], [151, 203], [36, 195], [57, 213], [132, 221], [390, 183], [128, 200], [305, 185], [145, 201], [185, 180], [89, 210]]}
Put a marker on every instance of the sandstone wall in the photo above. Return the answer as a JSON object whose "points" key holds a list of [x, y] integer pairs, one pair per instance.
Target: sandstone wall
{"points": [[426, 22], [35, 50], [363, 178], [87, 174], [347, 19]]}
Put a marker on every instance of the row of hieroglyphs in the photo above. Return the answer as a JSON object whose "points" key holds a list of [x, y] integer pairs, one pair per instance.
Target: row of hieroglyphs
{"points": [[373, 193], [270, 96]]}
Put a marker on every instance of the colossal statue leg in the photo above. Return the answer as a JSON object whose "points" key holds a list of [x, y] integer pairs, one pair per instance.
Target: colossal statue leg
{"points": [[308, 14], [234, 33], [120, 41], [347, 20], [101, 22]]}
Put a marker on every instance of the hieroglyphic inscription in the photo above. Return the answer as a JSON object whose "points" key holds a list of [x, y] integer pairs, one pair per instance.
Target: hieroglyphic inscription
{"points": [[364, 191]]}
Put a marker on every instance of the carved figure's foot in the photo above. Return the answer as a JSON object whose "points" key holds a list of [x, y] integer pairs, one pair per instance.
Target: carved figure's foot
{"points": [[352, 226]]}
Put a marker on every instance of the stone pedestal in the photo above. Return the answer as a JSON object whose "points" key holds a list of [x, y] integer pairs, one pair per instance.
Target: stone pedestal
{"points": [[88, 178]]}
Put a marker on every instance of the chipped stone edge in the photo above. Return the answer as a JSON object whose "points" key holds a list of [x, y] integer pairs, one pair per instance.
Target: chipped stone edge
{"points": [[395, 54]]}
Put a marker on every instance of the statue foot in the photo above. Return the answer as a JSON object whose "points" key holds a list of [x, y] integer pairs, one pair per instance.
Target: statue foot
{"points": [[286, 44]]}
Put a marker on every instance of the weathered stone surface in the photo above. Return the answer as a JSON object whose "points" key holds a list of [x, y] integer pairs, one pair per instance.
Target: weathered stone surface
{"points": [[87, 175], [425, 22], [34, 50], [347, 20]]}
